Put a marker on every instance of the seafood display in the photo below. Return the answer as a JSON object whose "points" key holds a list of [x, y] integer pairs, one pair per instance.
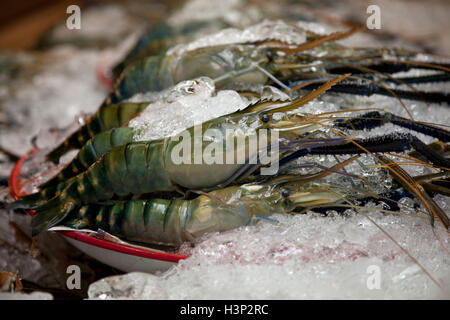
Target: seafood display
{"points": [[211, 125], [131, 187]]}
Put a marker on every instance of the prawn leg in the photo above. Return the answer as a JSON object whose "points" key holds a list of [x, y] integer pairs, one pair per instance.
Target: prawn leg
{"points": [[386, 143], [376, 119]]}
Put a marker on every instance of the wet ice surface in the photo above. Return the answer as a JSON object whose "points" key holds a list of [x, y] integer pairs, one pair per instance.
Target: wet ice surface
{"points": [[266, 30], [200, 10], [93, 31], [38, 102], [23, 296]]}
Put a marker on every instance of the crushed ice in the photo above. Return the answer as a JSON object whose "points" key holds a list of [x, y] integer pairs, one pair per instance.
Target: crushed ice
{"points": [[266, 30], [189, 103]]}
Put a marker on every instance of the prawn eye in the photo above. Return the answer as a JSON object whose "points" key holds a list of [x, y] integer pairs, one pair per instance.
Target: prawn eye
{"points": [[285, 193], [265, 118]]}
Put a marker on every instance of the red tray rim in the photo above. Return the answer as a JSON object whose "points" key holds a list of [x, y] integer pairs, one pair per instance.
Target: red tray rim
{"points": [[14, 186]]}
